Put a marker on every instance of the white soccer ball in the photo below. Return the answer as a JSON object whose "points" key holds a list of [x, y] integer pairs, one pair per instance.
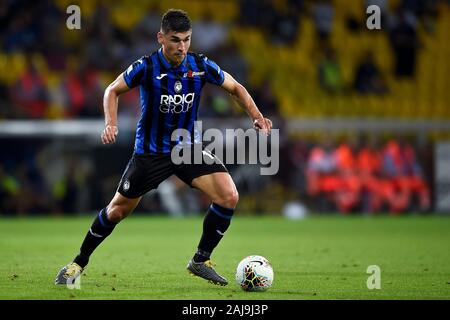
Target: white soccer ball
{"points": [[254, 273]]}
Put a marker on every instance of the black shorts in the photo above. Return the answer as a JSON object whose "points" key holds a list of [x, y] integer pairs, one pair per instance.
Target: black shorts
{"points": [[145, 172]]}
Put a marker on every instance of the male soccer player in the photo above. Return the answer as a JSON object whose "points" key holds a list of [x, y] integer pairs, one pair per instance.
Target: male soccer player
{"points": [[170, 80]]}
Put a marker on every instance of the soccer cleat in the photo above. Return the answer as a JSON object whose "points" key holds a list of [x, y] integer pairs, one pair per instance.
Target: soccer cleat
{"points": [[68, 274], [205, 270]]}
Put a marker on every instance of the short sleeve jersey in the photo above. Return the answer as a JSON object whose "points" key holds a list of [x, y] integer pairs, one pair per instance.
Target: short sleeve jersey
{"points": [[169, 97]]}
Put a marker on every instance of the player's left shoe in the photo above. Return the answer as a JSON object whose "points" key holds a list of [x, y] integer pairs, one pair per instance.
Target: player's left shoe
{"points": [[205, 270], [68, 274]]}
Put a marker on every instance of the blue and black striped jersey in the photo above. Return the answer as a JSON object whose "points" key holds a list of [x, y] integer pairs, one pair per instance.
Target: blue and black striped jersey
{"points": [[169, 97]]}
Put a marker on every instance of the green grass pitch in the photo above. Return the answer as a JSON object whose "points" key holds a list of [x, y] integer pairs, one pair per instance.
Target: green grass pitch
{"points": [[320, 257]]}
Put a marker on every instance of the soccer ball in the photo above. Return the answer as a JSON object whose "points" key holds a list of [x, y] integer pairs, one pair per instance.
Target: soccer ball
{"points": [[254, 273]]}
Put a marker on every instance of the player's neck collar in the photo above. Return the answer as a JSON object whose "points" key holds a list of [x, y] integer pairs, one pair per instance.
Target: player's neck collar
{"points": [[167, 64]]}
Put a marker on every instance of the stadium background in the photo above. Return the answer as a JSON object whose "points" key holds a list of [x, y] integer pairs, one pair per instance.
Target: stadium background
{"points": [[306, 64], [312, 66]]}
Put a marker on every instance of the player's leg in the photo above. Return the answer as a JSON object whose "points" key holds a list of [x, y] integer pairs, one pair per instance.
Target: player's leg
{"points": [[143, 173], [215, 181], [104, 223], [221, 190]]}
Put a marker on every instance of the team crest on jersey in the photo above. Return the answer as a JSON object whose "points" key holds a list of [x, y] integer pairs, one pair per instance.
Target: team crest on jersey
{"points": [[178, 86]]}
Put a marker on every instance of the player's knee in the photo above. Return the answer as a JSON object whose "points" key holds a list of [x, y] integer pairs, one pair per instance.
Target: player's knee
{"points": [[229, 199], [117, 213]]}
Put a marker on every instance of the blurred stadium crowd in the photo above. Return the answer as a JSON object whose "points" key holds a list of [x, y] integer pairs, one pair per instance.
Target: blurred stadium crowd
{"points": [[298, 58], [369, 178]]}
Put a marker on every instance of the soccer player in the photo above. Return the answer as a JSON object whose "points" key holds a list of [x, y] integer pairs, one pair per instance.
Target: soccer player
{"points": [[170, 81]]}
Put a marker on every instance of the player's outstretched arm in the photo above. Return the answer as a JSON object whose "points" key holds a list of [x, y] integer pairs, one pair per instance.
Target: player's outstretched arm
{"points": [[243, 98], [110, 105]]}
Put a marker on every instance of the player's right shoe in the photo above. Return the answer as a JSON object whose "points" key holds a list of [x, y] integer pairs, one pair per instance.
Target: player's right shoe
{"points": [[68, 274], [205, 270]]}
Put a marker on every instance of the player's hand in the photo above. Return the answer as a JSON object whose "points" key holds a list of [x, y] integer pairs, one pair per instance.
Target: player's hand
{"points": [[263, 124], [109, 134]]}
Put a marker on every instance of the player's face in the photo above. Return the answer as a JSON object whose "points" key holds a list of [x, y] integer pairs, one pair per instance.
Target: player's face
{"points": [[175, 45]]}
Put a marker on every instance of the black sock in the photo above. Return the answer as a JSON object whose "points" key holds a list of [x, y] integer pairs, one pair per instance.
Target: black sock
{"points": [[216, 222], [100, 229]]}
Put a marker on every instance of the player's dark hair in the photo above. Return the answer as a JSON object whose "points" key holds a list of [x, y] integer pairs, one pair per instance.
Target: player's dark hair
{"points": [[175, 20]]}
